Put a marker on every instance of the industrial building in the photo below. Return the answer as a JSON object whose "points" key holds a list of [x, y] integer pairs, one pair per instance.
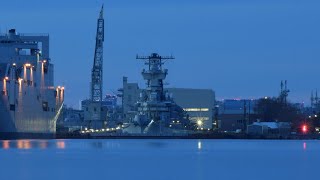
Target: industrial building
{"points": [[198, 104], [129, 94], [235, 114], [270, 129]]}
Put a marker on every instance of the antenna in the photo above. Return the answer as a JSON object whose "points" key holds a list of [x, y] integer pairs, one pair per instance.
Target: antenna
{"points": [[285, 85], [312, 99]]}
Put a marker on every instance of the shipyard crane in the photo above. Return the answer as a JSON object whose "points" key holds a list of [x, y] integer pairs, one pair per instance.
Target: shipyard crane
{"points": [[97, 69], [93, 114]]}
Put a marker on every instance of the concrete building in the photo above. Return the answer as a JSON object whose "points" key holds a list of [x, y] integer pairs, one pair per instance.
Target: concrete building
{"points": [[235, 114], [96, 114], [198, 103], [129, 93]]}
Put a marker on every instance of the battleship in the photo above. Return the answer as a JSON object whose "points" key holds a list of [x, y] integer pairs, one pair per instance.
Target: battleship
{"points": [[156, 108], [30, 103], [155, 112]]}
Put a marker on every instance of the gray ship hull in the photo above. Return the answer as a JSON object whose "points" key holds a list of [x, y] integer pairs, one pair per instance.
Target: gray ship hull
{"points": [[29, 102]]}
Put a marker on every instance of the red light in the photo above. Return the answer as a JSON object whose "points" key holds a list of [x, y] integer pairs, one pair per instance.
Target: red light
{"points": [[304, 128]]}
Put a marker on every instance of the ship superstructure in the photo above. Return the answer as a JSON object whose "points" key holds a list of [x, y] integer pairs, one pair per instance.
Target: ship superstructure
{"points": [[29, 102], [156, 108]]}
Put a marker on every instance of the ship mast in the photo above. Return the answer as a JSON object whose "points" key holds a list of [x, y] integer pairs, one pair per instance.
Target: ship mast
{"points": [[97, 69]]}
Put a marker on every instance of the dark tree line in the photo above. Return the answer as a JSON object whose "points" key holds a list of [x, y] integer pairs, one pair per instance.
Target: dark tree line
{"points": [[274, 110]]}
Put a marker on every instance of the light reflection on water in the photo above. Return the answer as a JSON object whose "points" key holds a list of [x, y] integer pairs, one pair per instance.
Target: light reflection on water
{"points": [[200, 145], [61, 145], [174, 159], [31, 144], [57, 144]]}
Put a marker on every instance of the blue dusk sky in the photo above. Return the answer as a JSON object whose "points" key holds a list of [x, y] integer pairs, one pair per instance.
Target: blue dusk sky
{"points": [[240, 49]]}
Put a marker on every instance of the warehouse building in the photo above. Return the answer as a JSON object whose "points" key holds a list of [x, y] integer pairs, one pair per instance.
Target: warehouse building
{"points": [[197, 103]]}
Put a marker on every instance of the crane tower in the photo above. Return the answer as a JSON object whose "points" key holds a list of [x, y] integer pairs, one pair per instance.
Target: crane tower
{"points": [[97, 69], [93, 113]]}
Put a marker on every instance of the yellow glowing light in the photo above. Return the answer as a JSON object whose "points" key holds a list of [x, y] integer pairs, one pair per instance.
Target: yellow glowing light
{"points": [[14, 64], [44, 61], [28, 65], [5, 87], [6, 78], [199, 122]]}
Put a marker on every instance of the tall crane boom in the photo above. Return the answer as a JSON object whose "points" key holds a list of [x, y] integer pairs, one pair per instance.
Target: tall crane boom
{"points": [[97, 69]]}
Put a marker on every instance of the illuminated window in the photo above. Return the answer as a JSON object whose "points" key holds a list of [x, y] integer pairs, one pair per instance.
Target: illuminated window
{"points": [[199, 118], [196, 109]]}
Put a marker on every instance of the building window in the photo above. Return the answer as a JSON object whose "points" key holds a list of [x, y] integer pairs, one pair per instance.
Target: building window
{"points": [[196, 109], [45, 106], [12, 107]]}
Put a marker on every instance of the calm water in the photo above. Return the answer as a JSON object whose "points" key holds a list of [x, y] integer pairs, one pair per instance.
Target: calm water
{"points": [[159, 159]]}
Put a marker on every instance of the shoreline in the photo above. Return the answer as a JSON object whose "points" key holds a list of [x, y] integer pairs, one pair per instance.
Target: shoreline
{"points": [[35, 136]]}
